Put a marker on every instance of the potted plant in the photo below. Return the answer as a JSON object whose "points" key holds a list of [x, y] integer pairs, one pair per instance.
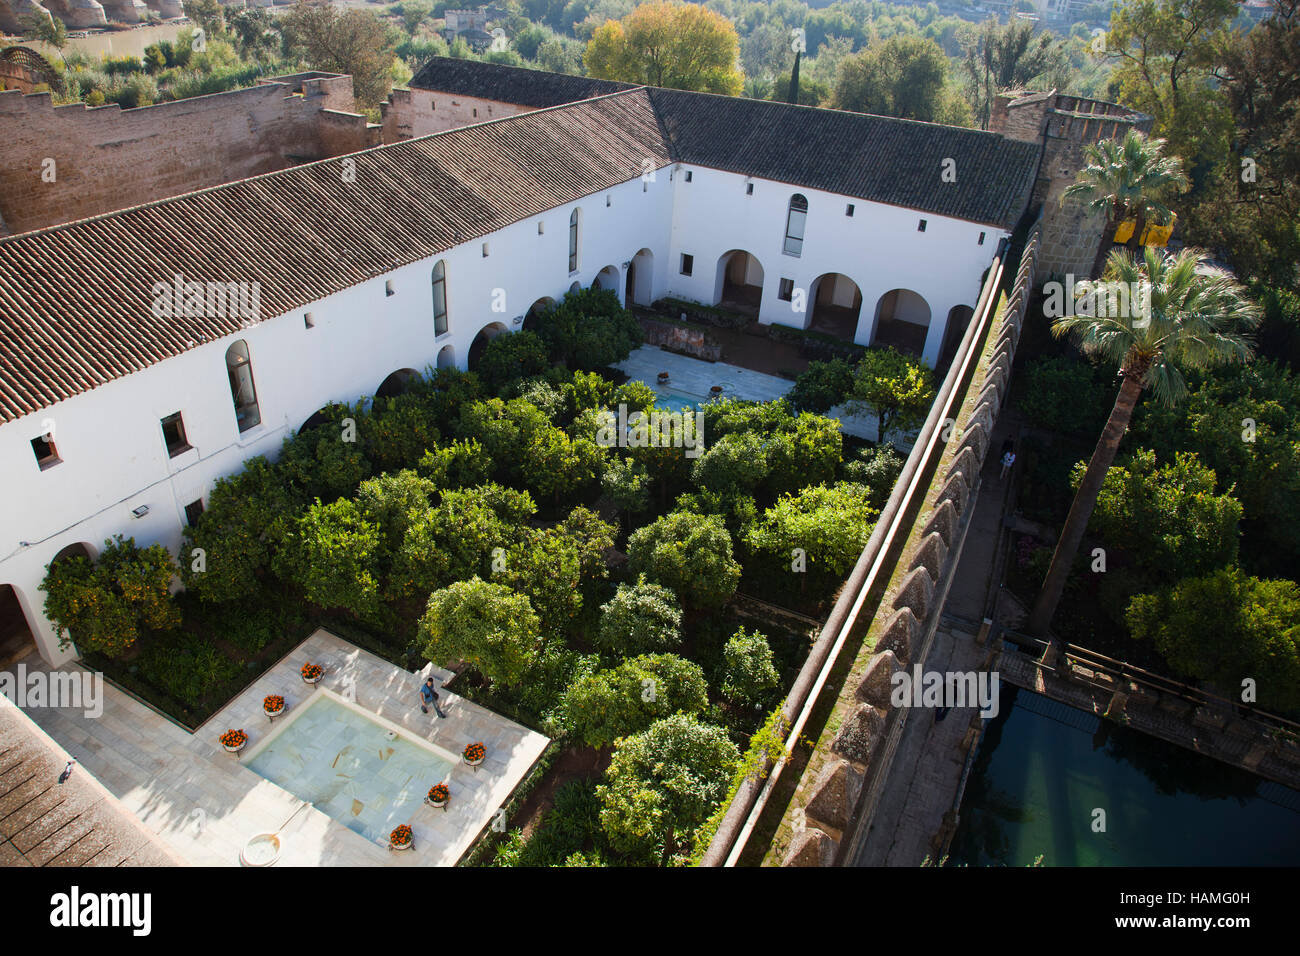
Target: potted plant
{"points": [[234, 740], [437, 797], [273, 705], [715, 390], [474, 754], [401, 838], [663, 378], [312, 673]]}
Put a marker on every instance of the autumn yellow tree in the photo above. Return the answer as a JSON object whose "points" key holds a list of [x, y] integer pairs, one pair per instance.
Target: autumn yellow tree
{"points": [[678, 45]]}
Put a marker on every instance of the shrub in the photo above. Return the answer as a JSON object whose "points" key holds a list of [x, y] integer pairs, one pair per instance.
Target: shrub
{"points": [[821, 386], [1064, 395], [511, 356], [640, 618], [608, 704], [751, 677], [691, 554]]}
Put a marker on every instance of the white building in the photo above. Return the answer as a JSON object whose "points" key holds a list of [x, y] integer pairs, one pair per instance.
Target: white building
{"points": [[405, 256]]}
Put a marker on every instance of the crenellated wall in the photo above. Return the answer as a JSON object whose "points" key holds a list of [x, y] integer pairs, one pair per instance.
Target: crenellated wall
{"points": [[837, 794], [63, 163]]}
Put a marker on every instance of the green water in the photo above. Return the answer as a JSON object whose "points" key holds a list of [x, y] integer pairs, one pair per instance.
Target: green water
{"points": [[1044, 768]]}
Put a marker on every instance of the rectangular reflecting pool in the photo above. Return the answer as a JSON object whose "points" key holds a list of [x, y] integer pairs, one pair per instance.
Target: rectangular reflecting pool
{"points": [[1044, 770], [361, 770]]}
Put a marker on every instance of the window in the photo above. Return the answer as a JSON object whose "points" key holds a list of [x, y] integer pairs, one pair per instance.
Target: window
{"points": [[688, 175], [173, 428], [243, 393], [476, 112], [485, 250], [308, 320], [785, 292], [193, 511], [575, 239], [794, 225], [46, 454], [609, 200], [440, 298], [749, 189], [433, 104], [688, 264], [920, 227], [981, 242], [388, 287], [848, 210], [541, 228]]}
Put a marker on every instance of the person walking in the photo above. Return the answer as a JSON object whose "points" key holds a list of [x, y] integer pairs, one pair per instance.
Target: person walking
{"points": [[1008, 459], [429, 698]]}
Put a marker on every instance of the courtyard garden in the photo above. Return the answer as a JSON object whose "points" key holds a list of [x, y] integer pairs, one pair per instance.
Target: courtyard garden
{"points": [[646, 604]]}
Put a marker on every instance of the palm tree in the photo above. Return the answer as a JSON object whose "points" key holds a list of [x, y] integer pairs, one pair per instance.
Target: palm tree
{"points": [[1125, 179], [1195, 318]]}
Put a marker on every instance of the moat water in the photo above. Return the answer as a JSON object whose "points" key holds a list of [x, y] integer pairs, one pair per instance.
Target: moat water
{"points": [[1043, 770]]}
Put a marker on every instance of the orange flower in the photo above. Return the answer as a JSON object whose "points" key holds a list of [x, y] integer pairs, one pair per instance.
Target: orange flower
{"points": [[400, 836], [438, 793], [233, 738], [273, 702], [475, 752]]}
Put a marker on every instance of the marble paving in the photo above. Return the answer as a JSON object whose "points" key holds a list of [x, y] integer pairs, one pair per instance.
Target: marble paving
{"points": [[205, 803]]}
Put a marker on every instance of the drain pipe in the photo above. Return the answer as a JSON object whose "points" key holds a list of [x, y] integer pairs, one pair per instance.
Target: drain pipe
{"points": [[742, 814]]}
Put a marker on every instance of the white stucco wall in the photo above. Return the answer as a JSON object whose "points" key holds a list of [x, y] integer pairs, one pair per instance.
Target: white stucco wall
{"points": [[110, 441], [878, 247]]}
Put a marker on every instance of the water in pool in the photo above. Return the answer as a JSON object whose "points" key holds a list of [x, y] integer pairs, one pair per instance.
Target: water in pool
{"points": [[343, 763], [677, 401], [1043, 769]]}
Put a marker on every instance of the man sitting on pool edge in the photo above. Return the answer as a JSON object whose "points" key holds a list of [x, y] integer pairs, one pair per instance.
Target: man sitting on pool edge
{"points": [[429, 696]]}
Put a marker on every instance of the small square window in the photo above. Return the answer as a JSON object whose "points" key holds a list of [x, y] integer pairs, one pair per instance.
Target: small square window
{"points": [[388, 287], [485, 250], [688, 264], [981, 242], [688, 175], [749, 189], [308, 320], [46, 454], [541, 228], [193, 511], [173, 428], [785, 292], [609, 201], [921, 226], [848, 210]]}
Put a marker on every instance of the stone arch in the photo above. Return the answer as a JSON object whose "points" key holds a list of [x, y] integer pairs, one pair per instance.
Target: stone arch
{"points": [[607, 278], [738, 283], [640, 277], [17, 636], [447, 357], [575, 287], [959, 317], [485, 335], [536, 309], [902, 320], [834, 306], [397, 383]]}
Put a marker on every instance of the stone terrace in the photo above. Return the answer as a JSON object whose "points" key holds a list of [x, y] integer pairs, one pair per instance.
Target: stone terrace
{"points": [[205, 804]]}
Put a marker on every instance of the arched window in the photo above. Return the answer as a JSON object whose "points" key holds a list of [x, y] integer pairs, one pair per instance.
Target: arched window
{"points": [[575, 238], [794, 224], [440, 298], [242, 390]]}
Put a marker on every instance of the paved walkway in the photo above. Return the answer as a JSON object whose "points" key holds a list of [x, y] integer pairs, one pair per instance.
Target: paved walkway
{"points": [[927, 768], [205, 804]]}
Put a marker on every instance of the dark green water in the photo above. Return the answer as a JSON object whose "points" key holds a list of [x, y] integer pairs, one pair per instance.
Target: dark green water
{"points": [[1042, 769]]}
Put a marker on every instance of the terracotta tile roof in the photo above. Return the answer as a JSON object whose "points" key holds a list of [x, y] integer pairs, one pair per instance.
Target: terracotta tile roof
{"points": [[75, 300], [877, 158], [77, 823], [509, 84]]}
